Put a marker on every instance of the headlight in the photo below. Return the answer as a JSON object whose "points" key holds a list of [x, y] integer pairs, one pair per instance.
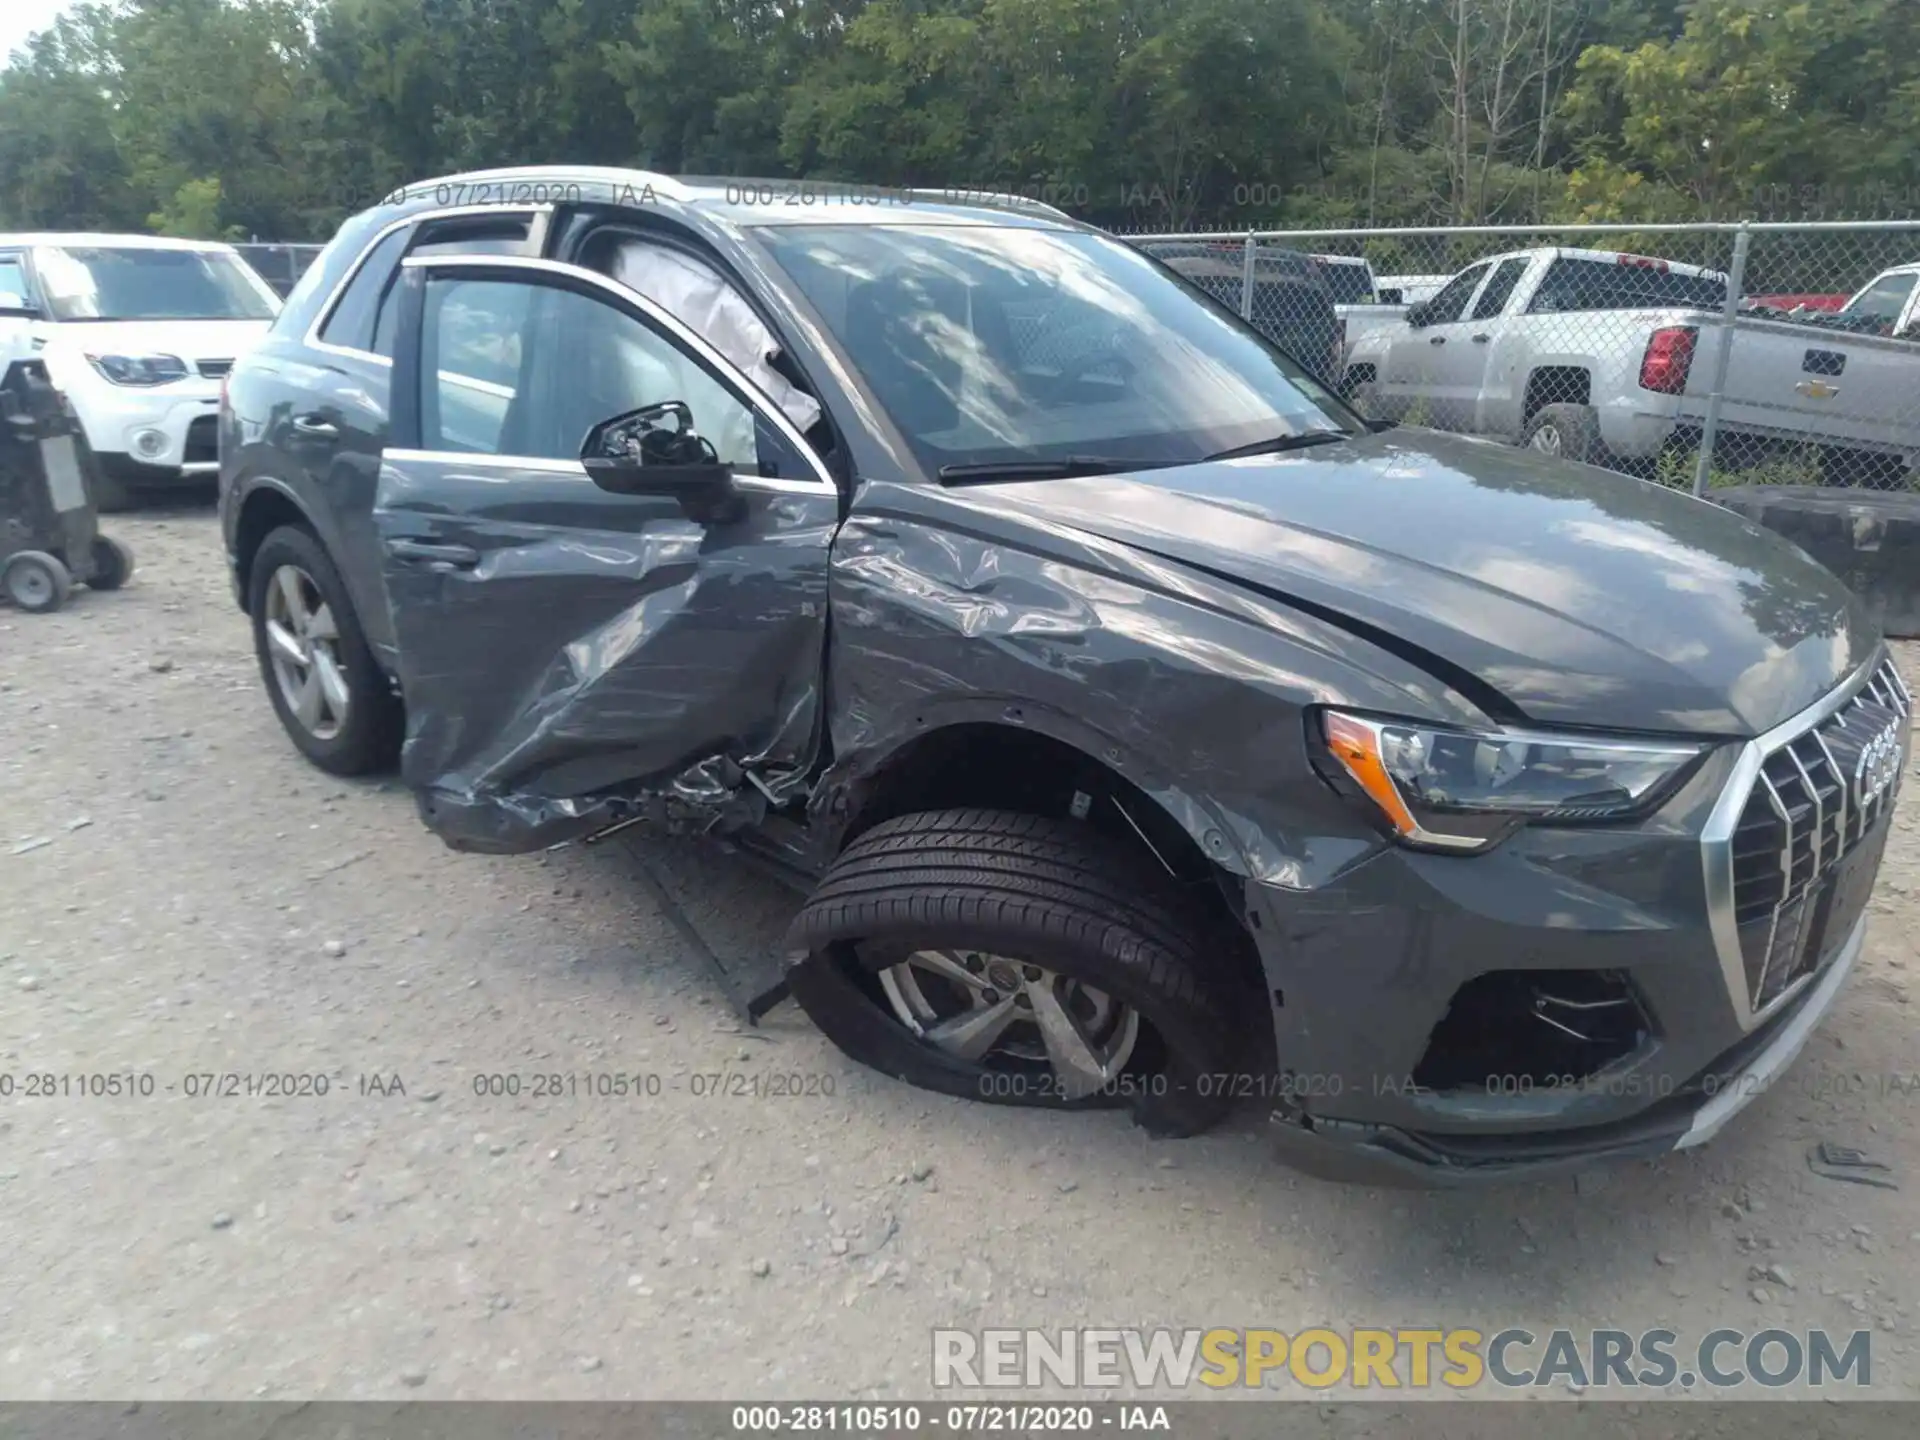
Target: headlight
{"points": [[1444, 789], [140, 369]]}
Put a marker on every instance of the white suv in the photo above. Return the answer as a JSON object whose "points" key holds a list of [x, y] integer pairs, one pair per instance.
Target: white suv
{"points": [[138, 332]]}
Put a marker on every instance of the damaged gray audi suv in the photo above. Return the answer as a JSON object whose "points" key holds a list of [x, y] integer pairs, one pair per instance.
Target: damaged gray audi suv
{"points": [[1140, 726]]}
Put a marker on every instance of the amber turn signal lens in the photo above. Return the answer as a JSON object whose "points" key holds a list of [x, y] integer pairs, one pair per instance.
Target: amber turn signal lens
{"points": [[1356, 746]]}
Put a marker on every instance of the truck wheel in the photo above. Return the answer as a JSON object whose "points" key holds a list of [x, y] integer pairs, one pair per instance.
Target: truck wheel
{"points": [[1364, 396], [1021, 960], [326, 687], [112, 564], [1571, 432], [36, 581]]}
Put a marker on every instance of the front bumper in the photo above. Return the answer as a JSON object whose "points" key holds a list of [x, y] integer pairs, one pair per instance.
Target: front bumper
{"points": [[146, 437], [1423, 1002], [1384, 1155]]}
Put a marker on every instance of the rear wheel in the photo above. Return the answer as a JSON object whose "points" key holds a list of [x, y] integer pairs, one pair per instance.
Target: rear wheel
{"points": [[36, 581], [1022, 960], [1569, 432], [330, 694]]}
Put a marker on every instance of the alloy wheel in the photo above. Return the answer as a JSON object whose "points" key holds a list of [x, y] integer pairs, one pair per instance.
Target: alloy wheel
{"points": [[1003, 1013], [303, 641], [1547, 439]]}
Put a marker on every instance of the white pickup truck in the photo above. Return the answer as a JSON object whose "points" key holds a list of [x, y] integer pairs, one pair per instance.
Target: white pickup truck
{"points": [[1610, 358]]}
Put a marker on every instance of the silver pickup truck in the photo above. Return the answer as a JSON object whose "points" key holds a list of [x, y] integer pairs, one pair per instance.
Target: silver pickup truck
{"points": [[1610, 358]]}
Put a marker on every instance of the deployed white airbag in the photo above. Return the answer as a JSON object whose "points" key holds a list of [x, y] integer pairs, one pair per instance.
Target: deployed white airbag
{"points": [[700, 298]]}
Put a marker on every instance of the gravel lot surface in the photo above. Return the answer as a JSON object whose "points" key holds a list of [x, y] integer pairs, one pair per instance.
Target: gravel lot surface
{"points": [[206, 904]]}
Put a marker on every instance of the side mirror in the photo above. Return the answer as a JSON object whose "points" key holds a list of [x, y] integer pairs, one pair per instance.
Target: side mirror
{"points": [[1417, 316], [656, 451]]}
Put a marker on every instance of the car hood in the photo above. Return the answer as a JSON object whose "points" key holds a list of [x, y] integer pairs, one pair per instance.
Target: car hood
{"points": [[1582, 597]]}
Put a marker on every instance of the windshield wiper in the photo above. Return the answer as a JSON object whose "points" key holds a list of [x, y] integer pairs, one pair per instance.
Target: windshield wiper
{"points": [[1279, 443], [1036, 469]]}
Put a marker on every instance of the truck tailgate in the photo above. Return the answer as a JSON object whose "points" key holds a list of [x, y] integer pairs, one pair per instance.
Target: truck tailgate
{"points": [[1799, 381]]}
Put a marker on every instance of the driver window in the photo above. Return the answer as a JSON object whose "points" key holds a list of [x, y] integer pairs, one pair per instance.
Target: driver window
{"points": [[527, 370]]}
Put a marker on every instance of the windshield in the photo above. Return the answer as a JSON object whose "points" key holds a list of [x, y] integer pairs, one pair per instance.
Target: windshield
{"points": [[990, 344], [136, 283]]}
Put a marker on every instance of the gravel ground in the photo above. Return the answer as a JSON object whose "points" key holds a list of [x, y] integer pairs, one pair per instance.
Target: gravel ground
{"points": [[209, 904]]}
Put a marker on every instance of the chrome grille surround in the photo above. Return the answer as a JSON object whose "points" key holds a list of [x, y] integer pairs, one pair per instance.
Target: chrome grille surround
{"points": [[1788, 814]]}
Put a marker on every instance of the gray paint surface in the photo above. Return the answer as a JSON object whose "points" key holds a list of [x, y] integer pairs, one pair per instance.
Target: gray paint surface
{"points": [[1870, 540]]}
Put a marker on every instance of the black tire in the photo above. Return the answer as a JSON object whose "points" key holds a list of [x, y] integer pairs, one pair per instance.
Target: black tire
{"points": [[110, 493], [112, 564], [36, 582], [1575, 430], [1363, 395], [369, 739], [1033, 888]]}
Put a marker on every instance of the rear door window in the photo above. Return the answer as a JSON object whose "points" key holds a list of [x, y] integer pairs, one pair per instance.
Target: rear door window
{"points": [[364, 318], [352, 321]]}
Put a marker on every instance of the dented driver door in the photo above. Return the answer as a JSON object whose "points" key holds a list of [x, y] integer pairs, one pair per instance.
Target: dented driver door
{"points": [[572, 656]]}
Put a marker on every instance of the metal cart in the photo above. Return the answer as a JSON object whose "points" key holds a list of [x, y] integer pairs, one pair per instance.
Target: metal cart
{"points": [[49, 536]]}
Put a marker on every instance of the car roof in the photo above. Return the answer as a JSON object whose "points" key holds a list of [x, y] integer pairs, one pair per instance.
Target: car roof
{"points": [[78, 238], [1598, 257], [745, 200]]}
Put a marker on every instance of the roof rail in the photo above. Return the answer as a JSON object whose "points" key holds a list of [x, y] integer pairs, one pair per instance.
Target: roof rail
{"points": [[1011, 200]]}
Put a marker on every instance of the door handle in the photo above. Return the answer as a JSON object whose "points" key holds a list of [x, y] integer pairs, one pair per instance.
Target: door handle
{"points": [[316, 427], [1436, 340], [453, 557], [1482, 339]]}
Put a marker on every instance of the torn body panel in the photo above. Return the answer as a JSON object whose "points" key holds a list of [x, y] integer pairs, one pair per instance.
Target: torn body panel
{"points": [[571, 658], [949, 611]]}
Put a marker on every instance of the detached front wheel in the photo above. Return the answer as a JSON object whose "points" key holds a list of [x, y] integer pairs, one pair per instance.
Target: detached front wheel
{"points": [[1024, 960]]}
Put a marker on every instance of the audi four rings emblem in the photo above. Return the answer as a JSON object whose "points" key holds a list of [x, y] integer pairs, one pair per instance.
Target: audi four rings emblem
{"points": [[1879, 767]]}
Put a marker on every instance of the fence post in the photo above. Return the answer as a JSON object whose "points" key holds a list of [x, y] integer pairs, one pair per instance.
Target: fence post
{"points": [[1246, 280], [1729, 317]]}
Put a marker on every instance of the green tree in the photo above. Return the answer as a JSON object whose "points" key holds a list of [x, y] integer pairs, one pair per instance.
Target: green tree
{"points": [[60, 165], [1749, 99], [194, 213]]}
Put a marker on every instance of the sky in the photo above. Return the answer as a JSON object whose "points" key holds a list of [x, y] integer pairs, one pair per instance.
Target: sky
{"points": [[20, 18]]}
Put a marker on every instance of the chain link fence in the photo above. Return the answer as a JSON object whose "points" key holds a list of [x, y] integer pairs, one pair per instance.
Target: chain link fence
{"points": [[1699, 355], [280, 265]]}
